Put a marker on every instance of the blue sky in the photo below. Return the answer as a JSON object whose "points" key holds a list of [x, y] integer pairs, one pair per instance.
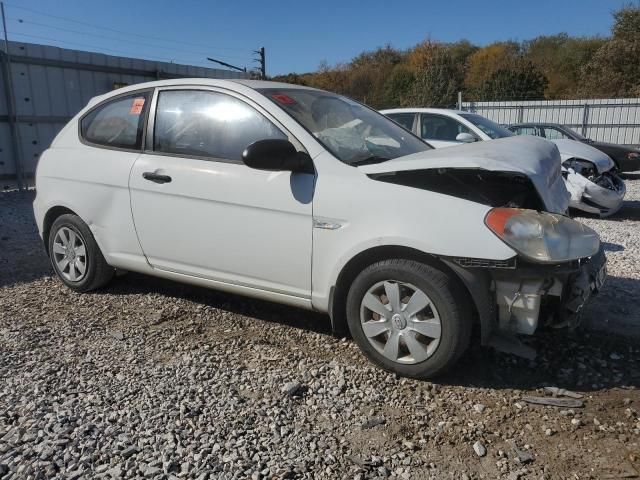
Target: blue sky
{"points": [[297, 35]]}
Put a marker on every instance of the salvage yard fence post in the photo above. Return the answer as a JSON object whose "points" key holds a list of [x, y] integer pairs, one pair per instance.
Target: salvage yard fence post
{"points": [[10, 100]]}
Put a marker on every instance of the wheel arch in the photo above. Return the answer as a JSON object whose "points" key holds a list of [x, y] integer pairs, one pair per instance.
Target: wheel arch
{"points": [[339, 291], [52, 214]]}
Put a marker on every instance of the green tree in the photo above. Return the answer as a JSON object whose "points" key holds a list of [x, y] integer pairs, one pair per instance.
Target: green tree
{"points": [[397, 87], [368, 72], [435, 84], [561, 58], [486, 61], [518, 81], [614, 70]]}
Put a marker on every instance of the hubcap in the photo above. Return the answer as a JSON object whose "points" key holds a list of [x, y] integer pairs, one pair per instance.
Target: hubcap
{"points": [[70, 254], [400, 321]]}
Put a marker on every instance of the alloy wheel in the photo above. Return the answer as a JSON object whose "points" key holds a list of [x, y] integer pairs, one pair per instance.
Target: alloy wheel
{"points": [[70, 254], [400, 321]]}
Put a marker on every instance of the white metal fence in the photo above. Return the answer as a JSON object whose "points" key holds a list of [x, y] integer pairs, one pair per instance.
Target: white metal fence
{"points": [[608, 120]]}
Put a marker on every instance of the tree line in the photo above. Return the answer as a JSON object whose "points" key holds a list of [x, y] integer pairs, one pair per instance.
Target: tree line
{"points": [[547, 67]]}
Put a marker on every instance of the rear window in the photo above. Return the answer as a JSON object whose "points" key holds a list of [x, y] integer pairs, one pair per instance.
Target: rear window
{"points": [[118, 123]]}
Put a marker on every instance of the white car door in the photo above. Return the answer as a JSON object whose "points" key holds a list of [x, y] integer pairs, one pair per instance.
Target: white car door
{"points": [[441, 130], [198, 210]]}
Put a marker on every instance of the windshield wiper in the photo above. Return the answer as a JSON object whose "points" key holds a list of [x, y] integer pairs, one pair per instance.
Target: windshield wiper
{"points": [[369, 160]]}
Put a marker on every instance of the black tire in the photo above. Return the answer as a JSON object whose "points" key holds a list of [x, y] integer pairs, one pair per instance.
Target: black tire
{"points": [[98, 272], [446, 293]]}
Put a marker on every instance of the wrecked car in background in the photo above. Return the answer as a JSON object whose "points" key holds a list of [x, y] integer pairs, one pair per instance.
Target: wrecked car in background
{"points": [[308, 198], [625, 157], [591, 176]]}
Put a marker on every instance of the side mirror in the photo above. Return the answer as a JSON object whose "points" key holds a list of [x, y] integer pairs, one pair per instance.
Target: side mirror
{"points": [[465, 138], [276, 155]]}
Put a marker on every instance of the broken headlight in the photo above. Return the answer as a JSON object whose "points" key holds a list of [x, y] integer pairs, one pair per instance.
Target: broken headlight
{"points": [[581, 167], [542, 237]]}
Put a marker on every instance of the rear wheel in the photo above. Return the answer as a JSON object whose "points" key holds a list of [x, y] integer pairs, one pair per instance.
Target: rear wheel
{"points": [[409, 318], [75, 255]]}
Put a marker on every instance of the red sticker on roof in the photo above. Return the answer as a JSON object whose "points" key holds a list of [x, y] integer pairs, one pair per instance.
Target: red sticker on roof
{"points": [[284, 99]]}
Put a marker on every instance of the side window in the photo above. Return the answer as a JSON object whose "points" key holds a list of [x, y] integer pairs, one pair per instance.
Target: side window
{"points": [[439, 127], [208, 124], [553, 133], [526, 131], [404, 119], [118, 123]]}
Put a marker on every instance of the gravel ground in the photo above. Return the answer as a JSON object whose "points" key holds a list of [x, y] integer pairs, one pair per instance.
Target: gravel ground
{"points": [[153, 379]]}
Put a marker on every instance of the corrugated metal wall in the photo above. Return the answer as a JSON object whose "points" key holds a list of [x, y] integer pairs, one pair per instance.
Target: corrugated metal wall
{"points": [[52, 84], [608, 120]]}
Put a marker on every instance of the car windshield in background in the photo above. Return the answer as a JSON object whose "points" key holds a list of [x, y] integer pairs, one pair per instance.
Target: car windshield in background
{"points": [[487, 126], [575, 134], [355, 134]]}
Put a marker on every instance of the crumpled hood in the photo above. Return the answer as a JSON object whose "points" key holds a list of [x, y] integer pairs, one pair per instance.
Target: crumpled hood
{"points": [[573, 149], [535, 157]]}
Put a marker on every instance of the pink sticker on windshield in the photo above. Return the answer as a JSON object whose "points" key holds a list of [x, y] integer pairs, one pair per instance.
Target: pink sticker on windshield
{"points": [[136, 106], [284, 99]]}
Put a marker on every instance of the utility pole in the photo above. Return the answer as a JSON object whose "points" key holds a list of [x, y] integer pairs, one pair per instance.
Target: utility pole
{"points": [[11, 105], [240, 69], [262, 62]]}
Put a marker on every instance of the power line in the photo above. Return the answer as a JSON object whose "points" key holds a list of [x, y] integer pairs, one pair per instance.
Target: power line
{"points": [[112, 51], [240, 69], [106, 37], [80, 22]]}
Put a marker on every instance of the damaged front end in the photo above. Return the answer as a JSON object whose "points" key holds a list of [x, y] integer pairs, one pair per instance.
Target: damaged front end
{"points": [[591, 178], [532, 295], [592, 191], [518, 297], [558, 263]]}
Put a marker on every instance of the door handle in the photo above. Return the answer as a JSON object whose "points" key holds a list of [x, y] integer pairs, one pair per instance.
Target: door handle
{"points": [[156, 177]]}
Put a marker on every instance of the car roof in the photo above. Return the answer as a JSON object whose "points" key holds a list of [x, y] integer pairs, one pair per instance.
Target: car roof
{"points": [[536, 124], [206, 82], [449, 111]]}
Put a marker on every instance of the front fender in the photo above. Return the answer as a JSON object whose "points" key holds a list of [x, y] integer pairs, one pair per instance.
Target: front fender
{"points": [[384, 214]]}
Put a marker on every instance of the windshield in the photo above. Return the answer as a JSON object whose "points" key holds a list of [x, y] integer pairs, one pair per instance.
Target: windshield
{"points": [[487, 126], [575, 134], [353, 133]]}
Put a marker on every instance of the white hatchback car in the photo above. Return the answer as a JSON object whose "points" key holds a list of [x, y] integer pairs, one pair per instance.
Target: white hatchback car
{"points": [[307, 198]]}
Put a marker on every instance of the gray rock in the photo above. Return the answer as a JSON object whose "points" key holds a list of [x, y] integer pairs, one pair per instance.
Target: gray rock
{"points": [[373, 422], [129, 451], [151, 472], [117, 334], [292, 388], [479, 448]]}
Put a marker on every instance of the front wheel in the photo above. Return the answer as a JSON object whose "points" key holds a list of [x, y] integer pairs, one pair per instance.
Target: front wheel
{"points": [[409, 318], [75, 255]]}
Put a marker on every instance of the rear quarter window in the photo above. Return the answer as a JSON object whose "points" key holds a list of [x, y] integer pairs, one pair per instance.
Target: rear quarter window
{"points": [[118, 123]]}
